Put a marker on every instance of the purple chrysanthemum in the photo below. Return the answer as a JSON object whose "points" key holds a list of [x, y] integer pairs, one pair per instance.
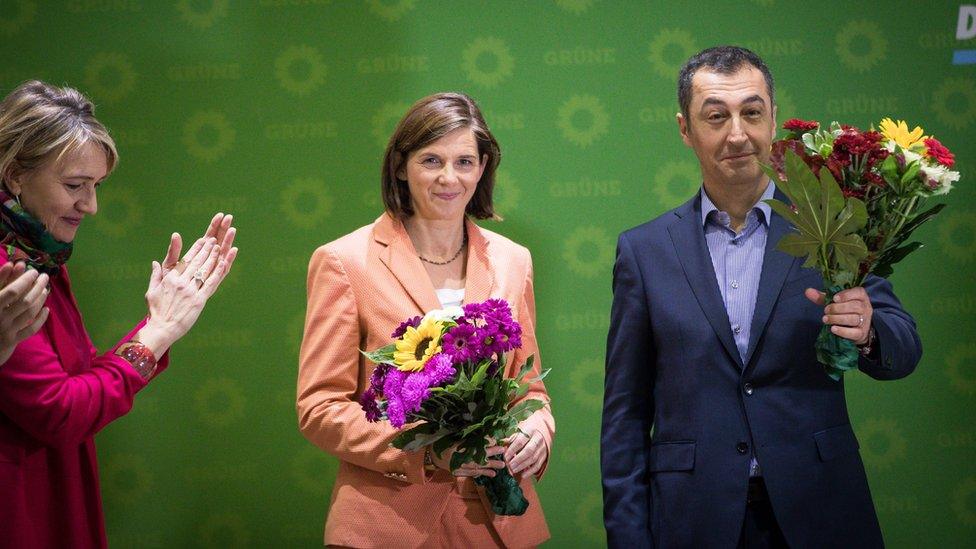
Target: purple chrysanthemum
{"points": [[368, 401], [439, 370], [461, 343], [392, 390], [402, 328]]}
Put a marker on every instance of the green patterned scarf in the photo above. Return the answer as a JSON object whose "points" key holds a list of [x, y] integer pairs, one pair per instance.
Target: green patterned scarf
{"points": [[25, 239]]}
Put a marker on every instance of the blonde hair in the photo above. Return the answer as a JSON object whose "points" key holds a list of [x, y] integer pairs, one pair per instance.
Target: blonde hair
{"points": [[39, 121]]}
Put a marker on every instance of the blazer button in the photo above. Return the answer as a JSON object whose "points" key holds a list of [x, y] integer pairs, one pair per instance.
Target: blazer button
{"points": [[742, 447], [747, 388]]}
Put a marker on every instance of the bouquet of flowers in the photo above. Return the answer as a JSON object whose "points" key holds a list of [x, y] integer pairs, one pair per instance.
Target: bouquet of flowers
{"points": [[445, 370], [856, 196]]}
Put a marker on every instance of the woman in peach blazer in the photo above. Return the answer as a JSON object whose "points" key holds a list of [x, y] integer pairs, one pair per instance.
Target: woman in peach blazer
{"points": [[423, 253]]}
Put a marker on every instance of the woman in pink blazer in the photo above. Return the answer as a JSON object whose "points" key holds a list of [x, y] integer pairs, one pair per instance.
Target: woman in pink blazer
{"points": [[423, 253], [56, 390]]}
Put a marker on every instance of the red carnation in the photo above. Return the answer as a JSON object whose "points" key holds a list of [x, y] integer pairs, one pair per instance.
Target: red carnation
{"points": [[800, 126], [938, 152]]}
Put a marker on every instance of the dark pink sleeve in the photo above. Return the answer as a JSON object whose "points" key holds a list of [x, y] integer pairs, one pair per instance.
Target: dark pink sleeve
{"points": [[62, 409]]}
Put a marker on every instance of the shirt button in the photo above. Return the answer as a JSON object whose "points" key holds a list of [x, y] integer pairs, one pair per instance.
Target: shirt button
{"points": [[742, 447], [736, 329], [747, 388], [735, 285]]}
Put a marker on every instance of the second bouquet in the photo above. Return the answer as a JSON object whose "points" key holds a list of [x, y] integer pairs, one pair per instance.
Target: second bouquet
{"points": [[442, 381]]}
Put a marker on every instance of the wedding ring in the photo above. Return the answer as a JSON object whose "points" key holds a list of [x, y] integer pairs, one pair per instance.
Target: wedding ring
{"points": [[860, 320], [198, 276]]}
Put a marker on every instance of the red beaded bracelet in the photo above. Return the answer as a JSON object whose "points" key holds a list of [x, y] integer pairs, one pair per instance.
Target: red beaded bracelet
{"points": [[140, 357]]}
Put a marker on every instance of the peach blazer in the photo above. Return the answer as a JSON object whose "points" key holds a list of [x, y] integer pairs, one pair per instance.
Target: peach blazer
{"points": [[360, 288]]}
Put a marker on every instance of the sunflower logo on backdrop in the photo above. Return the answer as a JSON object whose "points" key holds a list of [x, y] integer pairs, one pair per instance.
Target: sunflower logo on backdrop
{"points": [[589, 251], [487, 61], [961, 368], [224, 530], [110, 76], [575, 6], [16, 15], [300, 69], [583, 120], [391, 10], [668, 51], [208, 135], [313, 470], [506, 194], [586, 383], [219, 402], [202, 17], [385, 120], [121, 212], [861, 45], [126, 478], [964, 501], [882, 444], [675, 182], [957, 236], [306, 202], [954, 102]]}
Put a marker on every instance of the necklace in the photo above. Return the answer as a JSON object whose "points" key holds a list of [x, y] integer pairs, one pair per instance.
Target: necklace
{"points": [[464, 242]]}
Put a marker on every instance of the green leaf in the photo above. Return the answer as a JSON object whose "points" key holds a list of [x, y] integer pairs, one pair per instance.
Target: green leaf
{"points": [[889, 169], [383, 355], [526, 368], [541, 376], [798, 244], [417, 437], [850, 251], [920, 218], [525, 408]]}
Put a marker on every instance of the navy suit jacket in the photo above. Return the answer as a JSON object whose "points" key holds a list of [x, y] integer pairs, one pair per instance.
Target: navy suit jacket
{"points": [[683, 414]]}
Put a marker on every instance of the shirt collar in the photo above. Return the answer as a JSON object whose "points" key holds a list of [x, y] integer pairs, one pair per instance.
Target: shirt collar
{"points": [[707, 206]]}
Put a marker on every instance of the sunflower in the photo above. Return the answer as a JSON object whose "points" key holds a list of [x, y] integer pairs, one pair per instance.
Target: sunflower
{"points": [[417, 345], [898, 132]]}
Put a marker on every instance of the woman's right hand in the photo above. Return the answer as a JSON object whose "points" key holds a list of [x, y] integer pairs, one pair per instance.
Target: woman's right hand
{"points": [[176, 298], [470, 469], [22, 310]]}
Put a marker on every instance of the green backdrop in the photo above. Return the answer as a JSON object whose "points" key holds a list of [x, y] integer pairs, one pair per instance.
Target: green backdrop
{"points": [[278, 111]]}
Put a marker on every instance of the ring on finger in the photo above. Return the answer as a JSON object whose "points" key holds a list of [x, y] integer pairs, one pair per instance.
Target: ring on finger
{"points": [[199, 278], [860, 320]]}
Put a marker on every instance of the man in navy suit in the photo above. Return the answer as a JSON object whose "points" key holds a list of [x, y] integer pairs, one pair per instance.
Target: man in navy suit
{"points": [[720, 428]]}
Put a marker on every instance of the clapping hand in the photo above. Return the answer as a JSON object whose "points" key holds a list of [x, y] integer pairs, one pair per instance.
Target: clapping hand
{"points": [[220, 229], [178, 294], [22, 311]]}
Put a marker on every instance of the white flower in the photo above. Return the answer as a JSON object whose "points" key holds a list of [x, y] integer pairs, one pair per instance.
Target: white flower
{"points": [[911, 156], [447, 313], [938, 178]]}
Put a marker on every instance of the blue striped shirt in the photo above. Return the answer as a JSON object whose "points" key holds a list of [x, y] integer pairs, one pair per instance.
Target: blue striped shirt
{"points": [[738, 259]]}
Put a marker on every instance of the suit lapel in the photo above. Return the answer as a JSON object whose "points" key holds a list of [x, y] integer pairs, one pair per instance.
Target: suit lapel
{"points": [[478, 272], [776, 265], [688, 238], [400, 257]]}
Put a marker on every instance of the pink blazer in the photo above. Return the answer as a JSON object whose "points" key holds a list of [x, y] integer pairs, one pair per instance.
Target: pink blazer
{"points": [[56, 392], [360, 288]]}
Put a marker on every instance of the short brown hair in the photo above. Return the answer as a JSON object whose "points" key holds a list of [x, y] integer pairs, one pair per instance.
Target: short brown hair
{"points": [[427, 121], [38, 120]]}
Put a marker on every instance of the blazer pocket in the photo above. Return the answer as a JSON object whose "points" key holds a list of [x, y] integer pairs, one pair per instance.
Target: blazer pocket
{"points": [[835, 442], [672, 456]]}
